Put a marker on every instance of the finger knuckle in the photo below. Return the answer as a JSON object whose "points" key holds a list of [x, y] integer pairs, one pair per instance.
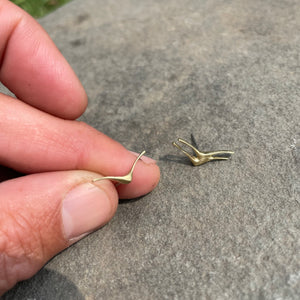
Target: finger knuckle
{"points": [[20, 249]]}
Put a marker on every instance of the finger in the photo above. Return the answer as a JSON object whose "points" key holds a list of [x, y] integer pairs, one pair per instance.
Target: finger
{"points": [[32, 67], [32, 141], [42, 214]]}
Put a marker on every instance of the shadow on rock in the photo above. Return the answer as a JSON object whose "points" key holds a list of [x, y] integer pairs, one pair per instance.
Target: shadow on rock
{"points": [[46, 284], [175, 159]]}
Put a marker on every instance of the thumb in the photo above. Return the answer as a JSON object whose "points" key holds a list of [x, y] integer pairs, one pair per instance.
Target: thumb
{"points": [[42, 214]]}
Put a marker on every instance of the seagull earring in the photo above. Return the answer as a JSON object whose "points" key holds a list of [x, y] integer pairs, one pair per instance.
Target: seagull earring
{"points": [[202, 157], [122, 179]]}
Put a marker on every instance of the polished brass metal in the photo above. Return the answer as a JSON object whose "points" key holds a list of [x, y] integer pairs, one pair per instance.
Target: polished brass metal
{"points": [[202, 157], [122, 179]]}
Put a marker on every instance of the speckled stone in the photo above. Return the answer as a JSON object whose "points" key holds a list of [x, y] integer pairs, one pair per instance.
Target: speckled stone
{"points": [[226, 74]]}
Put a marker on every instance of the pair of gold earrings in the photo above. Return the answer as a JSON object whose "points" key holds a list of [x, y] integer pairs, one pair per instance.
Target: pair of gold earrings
{"points": [[199, 159]]}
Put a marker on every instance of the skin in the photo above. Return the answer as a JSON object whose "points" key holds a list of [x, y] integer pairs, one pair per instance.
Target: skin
{"points": [[39, 134]]}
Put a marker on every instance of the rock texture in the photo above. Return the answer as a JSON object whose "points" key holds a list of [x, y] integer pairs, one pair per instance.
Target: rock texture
{"points": [[224, 74]]}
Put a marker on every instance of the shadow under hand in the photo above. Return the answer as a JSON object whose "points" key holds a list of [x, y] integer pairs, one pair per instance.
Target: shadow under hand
{"points": [[46, 284], [125, 201]]}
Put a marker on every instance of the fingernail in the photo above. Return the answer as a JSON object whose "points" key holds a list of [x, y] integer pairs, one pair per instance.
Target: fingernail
{"points": [[84, 209], [145, 159]]}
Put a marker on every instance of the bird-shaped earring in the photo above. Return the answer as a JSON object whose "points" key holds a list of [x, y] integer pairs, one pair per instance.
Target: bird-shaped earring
{"points": [[122, 179], [202, 157]]}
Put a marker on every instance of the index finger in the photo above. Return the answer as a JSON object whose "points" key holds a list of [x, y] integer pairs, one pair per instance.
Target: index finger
{"points": [[33, 68]]}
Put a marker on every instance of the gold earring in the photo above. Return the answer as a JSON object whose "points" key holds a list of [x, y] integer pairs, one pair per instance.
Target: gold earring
{"points": [[202, 157], [122, 179]]}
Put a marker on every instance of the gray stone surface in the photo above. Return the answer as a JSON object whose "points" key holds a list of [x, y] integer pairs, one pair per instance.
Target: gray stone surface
{"points": [[226, 72]]}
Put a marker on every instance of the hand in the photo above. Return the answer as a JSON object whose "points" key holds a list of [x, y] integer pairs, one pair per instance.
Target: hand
{"points": [[46, 211]]}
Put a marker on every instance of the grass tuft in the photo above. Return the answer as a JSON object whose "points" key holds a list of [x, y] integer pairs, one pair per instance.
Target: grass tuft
{"points": [[39, 8]]}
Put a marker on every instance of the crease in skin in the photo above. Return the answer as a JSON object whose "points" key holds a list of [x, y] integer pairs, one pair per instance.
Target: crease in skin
{"points": [[17, 256]]}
